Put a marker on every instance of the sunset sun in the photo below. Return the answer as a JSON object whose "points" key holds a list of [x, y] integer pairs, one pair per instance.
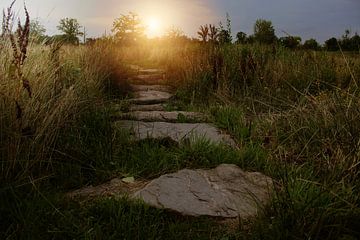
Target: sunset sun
{"points": [[154, 27]]}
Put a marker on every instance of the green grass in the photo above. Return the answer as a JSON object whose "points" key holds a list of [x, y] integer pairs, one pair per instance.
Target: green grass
{"points": [[112, 218], [151, 158]]}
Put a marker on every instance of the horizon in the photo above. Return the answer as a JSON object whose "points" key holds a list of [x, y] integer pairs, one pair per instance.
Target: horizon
{"points": [[320, 21]]}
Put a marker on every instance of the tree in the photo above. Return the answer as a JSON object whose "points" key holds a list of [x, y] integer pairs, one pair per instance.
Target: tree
{"points": [[37, 31], [175, 34], [264, 31], [332, 44], [241, 38], [224, 37], [213, 33], [128, 29], [203, 33], [291, 42], [225, 33], [70, 28], [311, 44], [355, 42]]}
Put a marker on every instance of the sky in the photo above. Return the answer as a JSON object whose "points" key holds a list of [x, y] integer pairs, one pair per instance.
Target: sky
{"points": [[319, 19]]}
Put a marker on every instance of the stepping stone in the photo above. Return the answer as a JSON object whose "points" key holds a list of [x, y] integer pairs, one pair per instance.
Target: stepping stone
{"points": [[150, 77], [134, 67], [178, 132], [153, 116], [138, 88], [154, 81], [150, 97], [226, 192], [151, 71], [146, 108]]}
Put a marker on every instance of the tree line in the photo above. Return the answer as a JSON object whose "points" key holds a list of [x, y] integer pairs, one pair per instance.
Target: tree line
{"points": [[129, 29], [264, 33]]}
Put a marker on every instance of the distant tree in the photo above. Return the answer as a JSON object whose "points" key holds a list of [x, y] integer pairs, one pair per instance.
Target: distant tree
{"points": [[241, 38], [332, 44], [225, 33], [349, 43], [224, 37], [291, 42], [90, 41], [264, 31], [203, 33], [128, 29], [311, 44], [174, 33], [250, 39], [355, 42], [213, 33], [345, 41], [70, 28], [37, 31]]}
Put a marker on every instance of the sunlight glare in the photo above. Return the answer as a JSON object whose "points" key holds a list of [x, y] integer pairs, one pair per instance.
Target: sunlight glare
{"points": [[154, 27]]}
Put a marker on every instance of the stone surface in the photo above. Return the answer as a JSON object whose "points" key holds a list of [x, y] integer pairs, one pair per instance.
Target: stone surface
{"points": [[151, 71], [175, 131], [226, 192], [134, 67], [146, 108], [150, 97], [137, 88], [153, 116], [147, 82], [150, 76]]}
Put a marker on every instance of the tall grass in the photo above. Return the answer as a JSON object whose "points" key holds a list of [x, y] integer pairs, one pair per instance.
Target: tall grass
{"points": [[48, 93]]}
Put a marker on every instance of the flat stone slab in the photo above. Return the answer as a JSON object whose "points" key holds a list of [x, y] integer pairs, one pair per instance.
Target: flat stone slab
{"points": [[226, 192], [151, 97], [150, 76], [146, 108], [176, 131], [158, 116], [148, 81], [138, 88], [151, 71]]}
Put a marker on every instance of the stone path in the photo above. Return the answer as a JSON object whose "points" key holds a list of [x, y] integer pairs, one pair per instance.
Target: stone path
{"points": [[147, 117], [226, 191]]}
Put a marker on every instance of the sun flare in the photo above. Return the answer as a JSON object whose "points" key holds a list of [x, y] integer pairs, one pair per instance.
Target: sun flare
{"points": [[154, 27]]}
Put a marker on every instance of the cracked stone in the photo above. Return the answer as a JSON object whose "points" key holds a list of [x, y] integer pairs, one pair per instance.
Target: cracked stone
{"points": [[178, 132], [193, 192]]}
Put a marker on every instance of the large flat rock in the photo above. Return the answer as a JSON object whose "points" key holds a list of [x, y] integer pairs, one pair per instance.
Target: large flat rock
{"points": [[158, 116], [162, 88], [175, 131], [226, 192], [147, 108], [150, 97]]}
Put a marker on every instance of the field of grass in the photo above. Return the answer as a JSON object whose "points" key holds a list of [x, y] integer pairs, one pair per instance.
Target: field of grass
{"points": [[295, 115]]}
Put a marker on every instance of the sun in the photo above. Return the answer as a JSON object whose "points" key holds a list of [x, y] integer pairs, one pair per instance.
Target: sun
{"points": [[153, 27]]}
